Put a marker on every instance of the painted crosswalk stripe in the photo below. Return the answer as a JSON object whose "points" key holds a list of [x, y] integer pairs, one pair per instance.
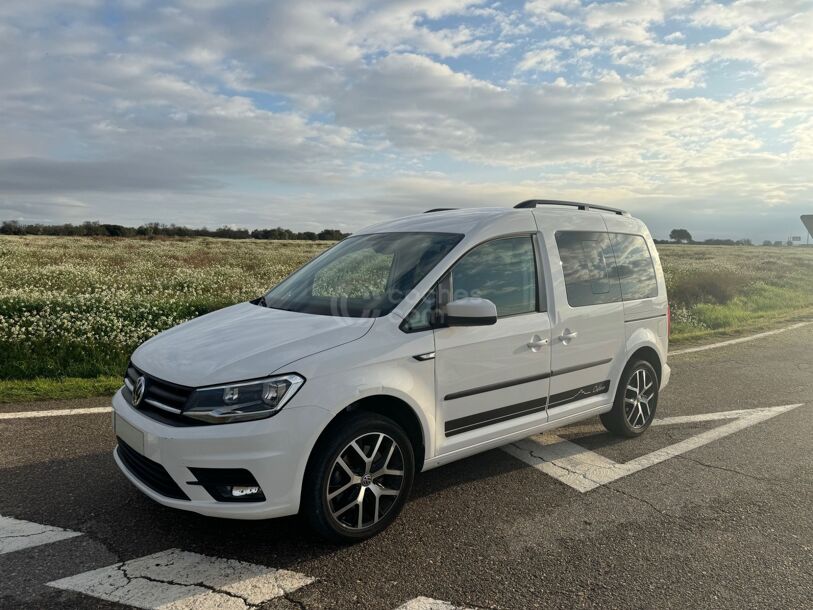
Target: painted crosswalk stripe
{"points": [[427, 603], [16, 534], [179, 580]]}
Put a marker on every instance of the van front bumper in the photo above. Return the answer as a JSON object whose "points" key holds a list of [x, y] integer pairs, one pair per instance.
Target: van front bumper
{"points": [[274, 451]]}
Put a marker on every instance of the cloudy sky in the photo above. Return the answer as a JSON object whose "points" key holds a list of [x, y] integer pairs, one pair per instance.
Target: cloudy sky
{"points": [[337, 114]]}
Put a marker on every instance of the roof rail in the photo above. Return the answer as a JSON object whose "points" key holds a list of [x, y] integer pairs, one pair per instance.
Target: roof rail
{"points": [[533, 203], [440, 210]]}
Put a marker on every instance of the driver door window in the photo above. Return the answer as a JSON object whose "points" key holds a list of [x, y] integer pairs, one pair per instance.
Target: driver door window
{"points": [[502, 271]]}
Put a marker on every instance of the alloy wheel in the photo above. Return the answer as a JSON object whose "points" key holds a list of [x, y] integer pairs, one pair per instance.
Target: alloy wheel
{"points": [[365, 480], [638, 395]]}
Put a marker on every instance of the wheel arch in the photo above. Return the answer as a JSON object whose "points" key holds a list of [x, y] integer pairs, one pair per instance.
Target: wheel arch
{"points": [[386, 405], [648, 354]]}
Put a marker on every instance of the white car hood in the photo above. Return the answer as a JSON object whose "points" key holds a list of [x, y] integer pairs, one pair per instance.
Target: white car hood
{"points": [[242, 342]]}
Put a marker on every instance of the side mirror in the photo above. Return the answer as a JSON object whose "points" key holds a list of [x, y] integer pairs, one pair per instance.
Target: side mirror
{"points": [[471, 312]]}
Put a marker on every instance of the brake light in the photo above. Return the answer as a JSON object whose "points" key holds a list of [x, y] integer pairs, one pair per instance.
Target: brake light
{"points": [[668, 320]]}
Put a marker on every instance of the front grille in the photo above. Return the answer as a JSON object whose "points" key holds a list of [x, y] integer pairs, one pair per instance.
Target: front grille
{"points": [[152, 474], [162, 392], [169, 394]]}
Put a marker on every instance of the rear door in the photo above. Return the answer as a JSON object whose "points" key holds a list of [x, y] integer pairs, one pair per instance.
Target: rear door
{"points": [[642, 285], [493, 380], [587, 315]]}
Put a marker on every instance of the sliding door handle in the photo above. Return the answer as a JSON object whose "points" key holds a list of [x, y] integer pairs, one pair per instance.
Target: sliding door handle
{"points": [[537, 343], [568, 335]]}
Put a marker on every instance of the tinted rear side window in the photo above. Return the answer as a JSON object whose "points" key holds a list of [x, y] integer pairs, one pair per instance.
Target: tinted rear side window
{"points": [[635, 267], [589, 268]]}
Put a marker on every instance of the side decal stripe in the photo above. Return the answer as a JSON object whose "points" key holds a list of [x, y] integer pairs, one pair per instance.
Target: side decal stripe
{"points": [[495, 386], [487, 418], [580, 367], [519, 381], [563, 398]]}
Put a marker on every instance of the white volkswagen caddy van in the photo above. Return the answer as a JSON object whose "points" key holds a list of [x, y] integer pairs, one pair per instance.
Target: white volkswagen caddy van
{"points": [[411, 344]]}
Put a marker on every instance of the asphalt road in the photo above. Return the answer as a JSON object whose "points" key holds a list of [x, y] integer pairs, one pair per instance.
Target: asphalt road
{"points": [[727, 524]]}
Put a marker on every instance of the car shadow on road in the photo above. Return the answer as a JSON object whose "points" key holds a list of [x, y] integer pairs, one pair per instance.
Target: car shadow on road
{"points": [[88, 494]]}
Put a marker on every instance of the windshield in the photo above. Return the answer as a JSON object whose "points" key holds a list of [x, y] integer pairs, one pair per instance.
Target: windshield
{"points": [[364, 276]]}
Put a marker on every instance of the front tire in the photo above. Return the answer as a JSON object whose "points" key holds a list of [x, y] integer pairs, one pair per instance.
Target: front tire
{"points": [[358, 478], [635, 401]]}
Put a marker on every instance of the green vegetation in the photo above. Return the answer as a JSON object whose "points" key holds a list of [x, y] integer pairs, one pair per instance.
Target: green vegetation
{"points": [[729, 289], [25, 390], [73, 309]]}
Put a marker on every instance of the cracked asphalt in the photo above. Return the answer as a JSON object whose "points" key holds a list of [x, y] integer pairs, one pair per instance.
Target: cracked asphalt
{"points": [[725, 525]]}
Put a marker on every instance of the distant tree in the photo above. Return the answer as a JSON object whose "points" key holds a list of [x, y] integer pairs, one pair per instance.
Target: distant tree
{"points": [[331, 235], [789, 242], [777, 242], [11, 227], [681, 236], [767, 242]]}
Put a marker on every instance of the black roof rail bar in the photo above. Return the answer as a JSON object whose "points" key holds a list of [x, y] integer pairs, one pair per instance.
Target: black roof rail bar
{"points": [[440, 210], [532, 203]]}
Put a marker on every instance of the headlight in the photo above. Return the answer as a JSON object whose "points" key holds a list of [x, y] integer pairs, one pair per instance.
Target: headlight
{"points": [[245, 401]]}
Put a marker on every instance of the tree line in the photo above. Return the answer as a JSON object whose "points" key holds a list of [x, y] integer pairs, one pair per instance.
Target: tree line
{"points": [[155, 229], [682, 236]]}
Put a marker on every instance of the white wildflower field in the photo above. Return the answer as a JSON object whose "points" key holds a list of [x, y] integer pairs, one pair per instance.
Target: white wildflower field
{"points": [[73, 306], [77, 307]]}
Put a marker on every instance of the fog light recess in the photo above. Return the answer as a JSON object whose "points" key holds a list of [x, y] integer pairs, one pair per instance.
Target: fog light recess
{"points": [[229, 484]]}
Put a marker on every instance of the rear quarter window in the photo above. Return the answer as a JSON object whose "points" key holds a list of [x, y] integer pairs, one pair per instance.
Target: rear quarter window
{"points": [[635, 267]]}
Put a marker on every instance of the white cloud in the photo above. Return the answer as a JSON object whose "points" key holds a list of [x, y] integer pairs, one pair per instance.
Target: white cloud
{"points": [[542, 60], [221, 112]]}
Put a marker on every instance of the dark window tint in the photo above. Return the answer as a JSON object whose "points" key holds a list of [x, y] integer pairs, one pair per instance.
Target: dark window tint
{"points": [[635, 267], [422, 317], [589, 268], [502, 271]]}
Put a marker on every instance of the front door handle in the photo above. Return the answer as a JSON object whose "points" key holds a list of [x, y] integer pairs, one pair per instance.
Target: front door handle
{"points": [[537, 343], [568, 335]]}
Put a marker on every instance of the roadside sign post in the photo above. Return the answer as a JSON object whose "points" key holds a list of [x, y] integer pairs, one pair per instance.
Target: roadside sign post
{"points": [[807, 221]]}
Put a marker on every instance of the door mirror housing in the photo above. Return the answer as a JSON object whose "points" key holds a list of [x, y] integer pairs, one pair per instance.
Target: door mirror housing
{"points": [[471, 311]]}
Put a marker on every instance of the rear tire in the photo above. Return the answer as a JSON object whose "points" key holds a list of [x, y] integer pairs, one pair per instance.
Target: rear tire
{"points": [[358, 478], [636, 400]]}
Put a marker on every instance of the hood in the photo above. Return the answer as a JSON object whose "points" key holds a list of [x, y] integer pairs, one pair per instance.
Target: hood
{"points": [[242, 342]]}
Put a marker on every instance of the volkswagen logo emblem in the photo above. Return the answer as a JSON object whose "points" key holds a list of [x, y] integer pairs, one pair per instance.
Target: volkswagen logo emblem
{"points": [[138, 391]]}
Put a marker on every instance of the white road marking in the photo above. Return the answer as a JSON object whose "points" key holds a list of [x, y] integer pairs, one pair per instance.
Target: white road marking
{"points": [[179, 580], [16, 534], [55, 412], [427, 603], [702, 348], [584, 470], [701, 417]]}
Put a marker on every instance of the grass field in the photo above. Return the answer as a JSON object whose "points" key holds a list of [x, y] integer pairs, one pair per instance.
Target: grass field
{"points": [[76, 307]]}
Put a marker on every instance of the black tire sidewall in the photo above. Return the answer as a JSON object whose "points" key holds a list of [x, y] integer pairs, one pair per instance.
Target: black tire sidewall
{"points": [[617, 418], [315, 483]]}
